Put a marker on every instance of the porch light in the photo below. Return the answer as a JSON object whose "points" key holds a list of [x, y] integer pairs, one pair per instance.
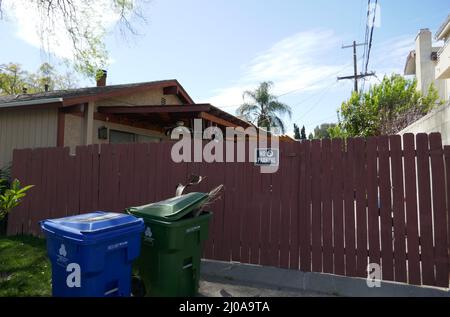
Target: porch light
{"points": [[103, 133]]}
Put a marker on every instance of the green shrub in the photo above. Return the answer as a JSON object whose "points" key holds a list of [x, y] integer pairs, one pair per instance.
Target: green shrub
{"points": [[11, 196]]}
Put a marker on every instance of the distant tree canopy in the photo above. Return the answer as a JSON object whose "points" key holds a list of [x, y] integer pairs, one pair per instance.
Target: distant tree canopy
{"points": [[321, 131], [386, 108], [84, 23], [13, 79], [303, 133], [297, 135]]}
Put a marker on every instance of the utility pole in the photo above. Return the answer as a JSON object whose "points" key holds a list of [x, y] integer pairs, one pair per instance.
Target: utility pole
{"points": [[355, 67]]}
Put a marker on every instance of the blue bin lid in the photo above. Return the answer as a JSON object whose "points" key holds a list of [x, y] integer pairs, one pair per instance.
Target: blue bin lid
{"points": [[92, 225]]}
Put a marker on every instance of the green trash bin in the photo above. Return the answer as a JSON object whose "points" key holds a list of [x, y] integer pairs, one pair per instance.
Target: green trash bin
{"points": [[169, 264]]}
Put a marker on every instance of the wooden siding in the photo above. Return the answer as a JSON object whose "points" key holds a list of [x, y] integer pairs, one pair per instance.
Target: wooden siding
{"points": [[30, 128]]}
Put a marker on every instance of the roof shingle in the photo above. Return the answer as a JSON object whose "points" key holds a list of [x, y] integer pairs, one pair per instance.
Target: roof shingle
{"points": [[79, 92]]}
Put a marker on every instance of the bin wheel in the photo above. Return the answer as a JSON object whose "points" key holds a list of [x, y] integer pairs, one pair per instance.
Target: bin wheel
{"points": [[137, 287]]}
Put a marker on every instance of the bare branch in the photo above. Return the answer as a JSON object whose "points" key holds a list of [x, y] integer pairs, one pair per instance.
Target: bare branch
{"points": [[86, 34]]}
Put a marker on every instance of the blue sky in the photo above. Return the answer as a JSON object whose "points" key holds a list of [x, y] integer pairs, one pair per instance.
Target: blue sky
{"points": [[219, 48]]}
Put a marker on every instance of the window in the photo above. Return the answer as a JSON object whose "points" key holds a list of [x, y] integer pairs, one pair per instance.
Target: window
{"points": [[147, 139], [117, 137]]}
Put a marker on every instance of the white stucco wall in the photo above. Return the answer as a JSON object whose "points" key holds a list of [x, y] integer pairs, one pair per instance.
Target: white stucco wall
{"points": [[436, 121], [426, 67]]}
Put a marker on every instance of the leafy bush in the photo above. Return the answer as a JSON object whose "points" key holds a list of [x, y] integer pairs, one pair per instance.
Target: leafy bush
{"points": [[11, 196], [386, 108]]}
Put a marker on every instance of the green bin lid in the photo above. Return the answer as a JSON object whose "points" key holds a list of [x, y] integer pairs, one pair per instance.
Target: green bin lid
{"points": [[170, 209]]}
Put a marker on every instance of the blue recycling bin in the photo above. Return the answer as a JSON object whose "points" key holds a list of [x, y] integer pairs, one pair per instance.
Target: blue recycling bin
{"points": [[91, 254]]}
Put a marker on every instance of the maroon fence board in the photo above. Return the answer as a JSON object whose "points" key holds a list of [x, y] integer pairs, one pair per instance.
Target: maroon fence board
{"points": [[105, 170], [152, 158], [326, 209], [294, 207], [60, 192], [265, 219], [338, 210], [373, 211], [447, 192], [305, 207], [412, 231], [398, 208], [228, 193], [425, 220], [219, 178], [20, 171], [253, 220], [439, 207], [237, 212], [208, 172], [285, 217], [387, 256], [316, 216], [349, 212], [275, 203], [37, 200], [361, 207], [86, 190]]}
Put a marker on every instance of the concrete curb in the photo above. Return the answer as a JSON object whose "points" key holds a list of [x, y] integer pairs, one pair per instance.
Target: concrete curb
{"points": [[315, 282]]}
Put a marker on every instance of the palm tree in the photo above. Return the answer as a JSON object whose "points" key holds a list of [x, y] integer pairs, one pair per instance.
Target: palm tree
{"points": [[264, 108]]}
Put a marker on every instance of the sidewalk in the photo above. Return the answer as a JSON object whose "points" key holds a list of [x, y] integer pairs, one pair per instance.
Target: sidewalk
{"points": [[236, 279], [221, 287]]}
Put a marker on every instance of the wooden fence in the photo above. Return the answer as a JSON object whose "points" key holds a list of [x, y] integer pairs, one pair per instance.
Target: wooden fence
{"points": [[332, 207]]}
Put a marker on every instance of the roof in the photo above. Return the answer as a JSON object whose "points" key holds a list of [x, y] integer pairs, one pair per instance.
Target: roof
{"points": [[79, 95], [410, 65], [443, 29], [70, 97]]}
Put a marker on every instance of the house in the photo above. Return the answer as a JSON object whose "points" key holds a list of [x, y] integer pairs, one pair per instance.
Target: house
{"points": [[443, 55], [138, 112], [425, 63], [432, 65]]}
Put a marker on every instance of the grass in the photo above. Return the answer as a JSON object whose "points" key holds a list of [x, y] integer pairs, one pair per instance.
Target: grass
{"points": [[24, 267]]}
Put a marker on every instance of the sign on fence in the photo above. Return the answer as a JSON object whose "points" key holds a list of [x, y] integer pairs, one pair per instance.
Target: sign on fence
{"points": [[267, 157]]}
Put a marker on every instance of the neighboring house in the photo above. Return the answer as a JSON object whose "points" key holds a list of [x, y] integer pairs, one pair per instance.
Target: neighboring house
{"points": [[138, 112], [423, 63], [432, 65], [443, 55]]}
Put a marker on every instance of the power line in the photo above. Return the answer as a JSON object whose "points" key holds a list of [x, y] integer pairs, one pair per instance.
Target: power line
{"points": [[316, 82], [369, 47], [366, 35], [371, 34], [322, 95], [295, 90]]}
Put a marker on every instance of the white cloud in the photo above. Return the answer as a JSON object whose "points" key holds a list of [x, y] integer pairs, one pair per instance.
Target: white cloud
{"points": [[391, 54], [25, 15], [293, 63]]}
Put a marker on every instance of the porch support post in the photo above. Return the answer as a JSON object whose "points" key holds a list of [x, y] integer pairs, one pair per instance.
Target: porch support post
{"points": [[89, 122], [60, 128]]}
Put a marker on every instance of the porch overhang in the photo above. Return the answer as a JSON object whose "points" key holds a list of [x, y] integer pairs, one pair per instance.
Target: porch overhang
{"points": [[148, 112]]}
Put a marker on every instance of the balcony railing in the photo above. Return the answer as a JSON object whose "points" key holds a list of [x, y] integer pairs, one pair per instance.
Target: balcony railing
{"points": [[441, 50]]}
